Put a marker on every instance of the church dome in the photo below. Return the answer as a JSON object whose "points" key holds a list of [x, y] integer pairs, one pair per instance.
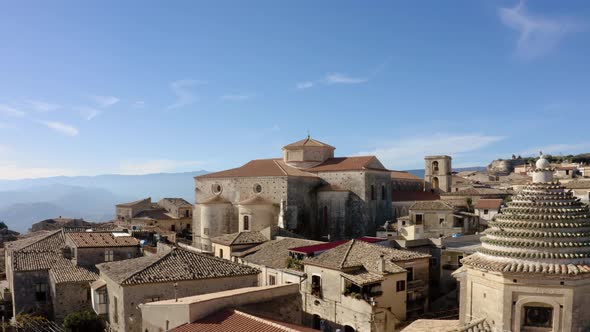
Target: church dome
{"points": [[542, 163], [544, 229]]}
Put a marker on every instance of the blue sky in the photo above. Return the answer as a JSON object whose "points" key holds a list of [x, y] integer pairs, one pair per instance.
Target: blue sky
{"points": [[138, 87]]}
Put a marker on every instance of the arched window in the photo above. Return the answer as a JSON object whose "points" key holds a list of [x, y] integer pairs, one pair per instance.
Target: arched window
{"points": [[435, 167], [246, 223], [435, 183]]}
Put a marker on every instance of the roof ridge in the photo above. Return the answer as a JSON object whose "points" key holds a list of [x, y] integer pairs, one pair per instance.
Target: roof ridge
{"points": [[347, 252], [51, 233], [282, 169]]}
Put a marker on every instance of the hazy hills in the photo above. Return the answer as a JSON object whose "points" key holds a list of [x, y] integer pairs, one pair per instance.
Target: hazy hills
{"points": [[23, 202]]}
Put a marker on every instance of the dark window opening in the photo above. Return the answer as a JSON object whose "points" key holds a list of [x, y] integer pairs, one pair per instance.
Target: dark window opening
{"points": [[272, 280], [325, 212], [538, 317], [400, 286], [410, 273], [435, 167], [419, 219], [486, 211], [383, 193], [316, 286], [41, 292], [246, 223], [372, 192]]}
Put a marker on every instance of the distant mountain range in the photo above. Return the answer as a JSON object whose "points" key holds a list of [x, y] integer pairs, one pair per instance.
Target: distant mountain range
{"points": [[23, 202]]}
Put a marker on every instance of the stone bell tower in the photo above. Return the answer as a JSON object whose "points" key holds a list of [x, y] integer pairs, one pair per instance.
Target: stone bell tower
{"points": [[437, 173]]}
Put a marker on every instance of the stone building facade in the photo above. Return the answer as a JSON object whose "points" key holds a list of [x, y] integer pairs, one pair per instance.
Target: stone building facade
{"points": [[438, 173], [308, 191], [168, 214], [533, 270], [50, 273], [358, 286], [174, 273]]}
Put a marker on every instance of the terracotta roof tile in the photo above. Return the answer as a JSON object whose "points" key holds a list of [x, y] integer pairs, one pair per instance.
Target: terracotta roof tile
{"points": [[46, 241], [180, 202], [237, 321], [274, 253], [174, 265], [101, 239], [259, 168], [409, 196], [360, 254], [240, 238], [307, 142], [65, 271], [489, 203], [404, 175], [431, 205], [347, 164]]}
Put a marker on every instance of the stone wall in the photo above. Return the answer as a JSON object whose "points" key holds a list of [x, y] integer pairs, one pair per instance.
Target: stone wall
{"points": [[69, 297], [129, 297], [23, 292], [93, 256]]}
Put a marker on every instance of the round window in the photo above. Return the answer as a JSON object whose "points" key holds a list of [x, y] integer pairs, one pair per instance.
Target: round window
{"points": [[257, 188], [216, 188]]}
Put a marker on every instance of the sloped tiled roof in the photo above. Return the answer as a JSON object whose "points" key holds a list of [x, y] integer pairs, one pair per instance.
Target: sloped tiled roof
{"points": [[63, 270], [360, 254], [237, 321], [348, 164], [274, 253], [406, 176], [101, 239], [409, 196], [157, 214], [130, 204], [180, 202], [33, 261], [431, 205], [308, 141], [240, 238], [46, 241], [174, 265], [259, 168], [489, 203]]}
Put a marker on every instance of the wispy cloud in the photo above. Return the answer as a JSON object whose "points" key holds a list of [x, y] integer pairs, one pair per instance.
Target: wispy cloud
{"points": [[156, 166], [536, 35], [339, 78], [61, 127], [559, 149], [184, 94], [409, 152], [42, 106], [105, 101], [304, 85], [11, 170], [138, 104], [236, 97], [10, 111], [88, 113], [332, 78]]}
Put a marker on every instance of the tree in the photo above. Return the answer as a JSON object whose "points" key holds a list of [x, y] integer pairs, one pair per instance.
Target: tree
{"points": [[84, 321], [3, 224]]}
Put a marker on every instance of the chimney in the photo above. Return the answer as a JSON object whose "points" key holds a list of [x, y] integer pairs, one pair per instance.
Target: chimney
{"points": [[381, 264]]}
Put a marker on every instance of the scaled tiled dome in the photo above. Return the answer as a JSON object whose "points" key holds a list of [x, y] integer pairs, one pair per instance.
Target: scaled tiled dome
{"points": [[545, 229]]}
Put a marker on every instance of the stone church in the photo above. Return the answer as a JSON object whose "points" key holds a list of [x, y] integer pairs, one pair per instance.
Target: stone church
{"points": [[308, 191]]}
